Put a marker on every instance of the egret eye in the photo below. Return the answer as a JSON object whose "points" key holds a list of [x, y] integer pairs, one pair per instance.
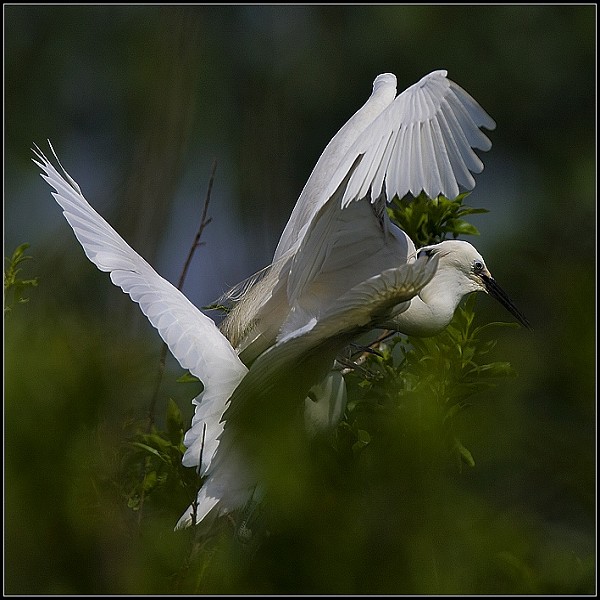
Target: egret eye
{"points": [[478, 266]]}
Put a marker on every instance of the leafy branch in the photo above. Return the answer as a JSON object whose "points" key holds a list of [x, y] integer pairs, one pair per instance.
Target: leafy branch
{"points": [[424, 383], [428, 221], [13, 285], [160, 452]]}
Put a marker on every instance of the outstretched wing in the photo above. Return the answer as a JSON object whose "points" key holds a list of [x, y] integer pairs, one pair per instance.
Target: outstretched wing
{"points": [[423, 141], [192, 337]]}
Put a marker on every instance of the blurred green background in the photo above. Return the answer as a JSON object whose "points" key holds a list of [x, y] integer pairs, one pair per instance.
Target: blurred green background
{"points": [[138, 102]]}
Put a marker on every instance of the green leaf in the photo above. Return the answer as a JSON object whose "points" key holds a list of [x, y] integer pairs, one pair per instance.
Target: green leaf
{"points": [[464, 453], [188, 378], [363, 440], [149, 482], [428, 221], [13, 285], [151, 450], [495, 369], [174, 420], [455, 409], [133, 502], [462, 227], [472, 211]]}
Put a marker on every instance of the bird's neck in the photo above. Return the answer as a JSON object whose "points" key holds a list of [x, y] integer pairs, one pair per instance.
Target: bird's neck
{"points": [[441, 297], [432, 310]]}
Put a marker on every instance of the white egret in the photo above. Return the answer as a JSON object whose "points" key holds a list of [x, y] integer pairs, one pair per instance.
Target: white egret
{"points": [[421, 140], [341, 268]]}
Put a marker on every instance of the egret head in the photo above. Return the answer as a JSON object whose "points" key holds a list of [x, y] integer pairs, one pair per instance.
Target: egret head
{"points": [[463, 268]]}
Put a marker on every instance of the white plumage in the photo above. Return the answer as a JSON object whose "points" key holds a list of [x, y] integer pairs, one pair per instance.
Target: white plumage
{"points": [[340, 268], [339, 231]]}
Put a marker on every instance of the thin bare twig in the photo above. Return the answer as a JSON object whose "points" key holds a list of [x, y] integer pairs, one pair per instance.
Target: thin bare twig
{"points": [[204, 221]]}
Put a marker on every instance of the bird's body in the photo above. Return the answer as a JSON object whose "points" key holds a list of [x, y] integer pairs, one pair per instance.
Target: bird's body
{"points": [[359, 244], [339, 230], [341, 268]]}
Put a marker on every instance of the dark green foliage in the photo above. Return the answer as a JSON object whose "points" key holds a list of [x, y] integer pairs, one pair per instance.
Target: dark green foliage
{"points": [[151, 466], [426, 381], [429, 221], [14, 286]]}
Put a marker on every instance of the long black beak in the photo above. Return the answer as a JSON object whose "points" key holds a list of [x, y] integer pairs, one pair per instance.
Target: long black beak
{"points": [[493, 289]]}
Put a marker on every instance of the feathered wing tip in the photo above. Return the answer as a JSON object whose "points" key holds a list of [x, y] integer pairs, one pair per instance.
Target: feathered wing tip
{"points": [[385, 80], [229, 484], [45, 162]]}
